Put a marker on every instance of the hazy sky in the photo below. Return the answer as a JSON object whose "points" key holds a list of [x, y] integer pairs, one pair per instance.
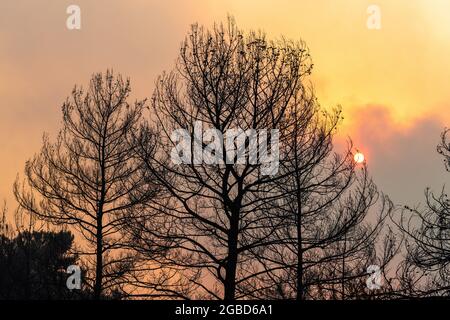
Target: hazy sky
{"points": [[392, 83]]}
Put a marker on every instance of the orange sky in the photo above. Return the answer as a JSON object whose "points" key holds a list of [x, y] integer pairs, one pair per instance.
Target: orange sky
{"points": [[392, 83]]}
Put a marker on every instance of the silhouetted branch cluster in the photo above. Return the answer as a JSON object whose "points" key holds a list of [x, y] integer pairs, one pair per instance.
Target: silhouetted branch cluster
{"points": [[425, 270], [297, 221]]}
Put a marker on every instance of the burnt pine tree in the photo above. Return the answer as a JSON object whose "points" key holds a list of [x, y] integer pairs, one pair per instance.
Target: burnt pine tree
{"points": [[89, 177], [425, 271], [328, 225], [224, 82]]}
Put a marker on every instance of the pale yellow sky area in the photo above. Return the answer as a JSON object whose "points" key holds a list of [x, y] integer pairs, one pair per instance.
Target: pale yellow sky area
{"points": [[399, 73]]}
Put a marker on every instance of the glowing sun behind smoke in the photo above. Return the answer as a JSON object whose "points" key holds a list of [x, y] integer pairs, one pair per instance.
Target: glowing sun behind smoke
{"points": [[359, 157]]}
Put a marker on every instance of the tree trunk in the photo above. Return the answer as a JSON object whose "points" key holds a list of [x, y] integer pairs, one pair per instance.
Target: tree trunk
{"points": [[99, 262], [300, 285], [99, 236], [230, 276], [300, 288]]}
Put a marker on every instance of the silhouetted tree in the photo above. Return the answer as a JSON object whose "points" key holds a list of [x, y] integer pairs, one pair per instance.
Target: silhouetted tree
{"points": [[425, 270], [33, 262], [89, 177], [226, 215], [326, 225], [5, 227]]}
